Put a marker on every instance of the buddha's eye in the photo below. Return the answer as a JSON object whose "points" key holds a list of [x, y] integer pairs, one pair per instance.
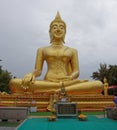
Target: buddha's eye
{"points": [[61, 27], [54, 27]]}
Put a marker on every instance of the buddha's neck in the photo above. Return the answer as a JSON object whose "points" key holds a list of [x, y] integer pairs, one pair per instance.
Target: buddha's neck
{"points": [[57, 43]]}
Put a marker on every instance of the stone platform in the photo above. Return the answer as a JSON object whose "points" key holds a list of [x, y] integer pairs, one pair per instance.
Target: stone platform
{"points": [[41, 101]]}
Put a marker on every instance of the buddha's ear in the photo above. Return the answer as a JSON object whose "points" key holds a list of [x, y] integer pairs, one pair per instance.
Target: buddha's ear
{"points": [[64, 39], [51, 37]]}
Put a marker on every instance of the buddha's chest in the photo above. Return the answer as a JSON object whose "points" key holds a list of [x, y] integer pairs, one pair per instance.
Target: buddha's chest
{"points": [[53, 54]]}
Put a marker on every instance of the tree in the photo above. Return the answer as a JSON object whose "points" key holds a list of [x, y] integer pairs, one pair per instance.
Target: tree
{"points": [[5, 77], [110, 72]]}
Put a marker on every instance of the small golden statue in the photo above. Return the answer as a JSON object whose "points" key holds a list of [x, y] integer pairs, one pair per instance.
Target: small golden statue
{"points": [[63, 97], [105, 86], [58, 97], [52, 102], [82, 117], [63, 66]]}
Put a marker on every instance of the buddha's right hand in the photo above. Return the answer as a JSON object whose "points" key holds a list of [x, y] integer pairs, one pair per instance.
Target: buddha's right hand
{"points": [[28, 80]]}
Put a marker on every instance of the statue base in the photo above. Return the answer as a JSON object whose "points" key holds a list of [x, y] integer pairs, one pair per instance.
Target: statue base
{"points": [[41, 101]]}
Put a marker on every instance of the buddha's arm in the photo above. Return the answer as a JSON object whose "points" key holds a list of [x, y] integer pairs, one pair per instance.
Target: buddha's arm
{"points": [[75, 65], [39, 63], [30, 77]]}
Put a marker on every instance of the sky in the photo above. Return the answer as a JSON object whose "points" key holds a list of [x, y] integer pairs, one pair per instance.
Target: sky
{"points": [[91, 29]]}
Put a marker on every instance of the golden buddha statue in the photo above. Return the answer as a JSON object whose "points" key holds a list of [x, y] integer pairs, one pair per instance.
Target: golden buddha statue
{"points": [[62, 63], [106, 85]]}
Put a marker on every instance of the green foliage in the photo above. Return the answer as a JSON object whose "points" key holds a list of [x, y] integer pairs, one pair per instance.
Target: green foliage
{"points": [[5, 77], [110, 72]]}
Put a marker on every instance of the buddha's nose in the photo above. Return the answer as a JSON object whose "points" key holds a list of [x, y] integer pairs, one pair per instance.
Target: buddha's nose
{"points": [[58, 30]]}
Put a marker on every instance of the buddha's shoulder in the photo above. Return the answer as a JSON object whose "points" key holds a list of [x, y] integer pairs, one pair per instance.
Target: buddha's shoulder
{"points": [[43, 48], [70, 48]]}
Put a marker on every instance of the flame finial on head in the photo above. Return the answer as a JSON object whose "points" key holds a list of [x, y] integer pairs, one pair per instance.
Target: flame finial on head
{"points": [[58, 17]]}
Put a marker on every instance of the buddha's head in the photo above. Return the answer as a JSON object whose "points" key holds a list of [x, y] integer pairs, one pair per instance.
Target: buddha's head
{"points": [[57, 29]]}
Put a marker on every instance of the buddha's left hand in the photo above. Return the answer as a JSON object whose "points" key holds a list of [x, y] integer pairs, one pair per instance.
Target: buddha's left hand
{"points": [[28, 80]]}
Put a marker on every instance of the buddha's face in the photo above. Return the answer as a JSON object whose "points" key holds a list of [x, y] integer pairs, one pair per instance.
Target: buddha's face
{"points": [[57, 31]]}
